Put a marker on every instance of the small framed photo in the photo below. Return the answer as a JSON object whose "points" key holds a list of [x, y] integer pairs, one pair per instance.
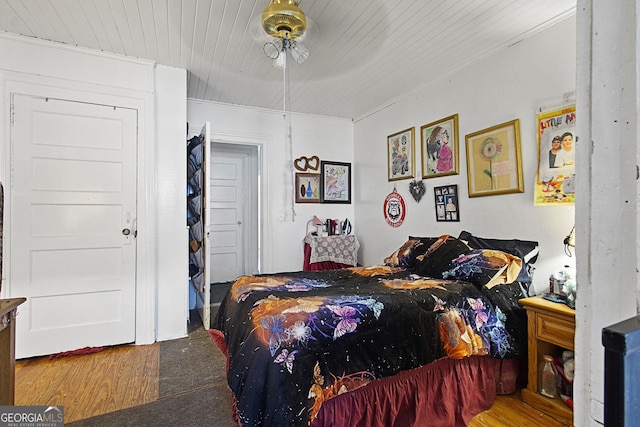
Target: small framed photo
{"points": [[439, 147], [335, 182], [494, 161], [307, 188], [400, 155], [447, 207]]}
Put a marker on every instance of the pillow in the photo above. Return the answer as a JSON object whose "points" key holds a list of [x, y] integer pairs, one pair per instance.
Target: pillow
{"points": [[485, 267], [437, 259], [423, 245], [524, 249], [399, 255], [405, 255]]}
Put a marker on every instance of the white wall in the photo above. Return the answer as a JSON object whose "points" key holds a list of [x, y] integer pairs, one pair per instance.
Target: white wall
{"points": [[326, 137], [91, 76], [607, 214], [514, 83], [171, 187]]}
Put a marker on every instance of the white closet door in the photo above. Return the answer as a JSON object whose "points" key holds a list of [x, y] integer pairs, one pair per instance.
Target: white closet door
{"points": [[73, 216]]}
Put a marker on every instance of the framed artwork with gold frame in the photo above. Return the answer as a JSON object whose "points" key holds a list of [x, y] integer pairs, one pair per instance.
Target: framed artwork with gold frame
{"points": [[400, 147], [439, 147], [494, 160]]}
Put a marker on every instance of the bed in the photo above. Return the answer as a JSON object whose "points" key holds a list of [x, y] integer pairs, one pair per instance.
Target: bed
{"points": [[419, 340]]}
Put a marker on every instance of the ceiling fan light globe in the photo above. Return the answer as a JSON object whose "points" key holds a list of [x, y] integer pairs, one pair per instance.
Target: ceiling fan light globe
{"points": [[299, 52], [271, 50]]}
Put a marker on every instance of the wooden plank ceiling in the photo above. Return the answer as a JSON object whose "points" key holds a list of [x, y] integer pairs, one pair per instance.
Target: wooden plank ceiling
{"points": [[364, 54]]}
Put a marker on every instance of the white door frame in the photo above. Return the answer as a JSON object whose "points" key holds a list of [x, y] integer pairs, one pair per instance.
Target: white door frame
{"points": [[143, 102], [265, 254], [248, 155]]}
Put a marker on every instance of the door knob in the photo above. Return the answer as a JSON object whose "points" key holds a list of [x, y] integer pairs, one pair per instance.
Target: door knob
{"points": [[126, 231]]}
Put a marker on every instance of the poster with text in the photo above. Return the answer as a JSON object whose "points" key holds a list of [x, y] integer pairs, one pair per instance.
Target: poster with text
{"points": [[556, 177]]}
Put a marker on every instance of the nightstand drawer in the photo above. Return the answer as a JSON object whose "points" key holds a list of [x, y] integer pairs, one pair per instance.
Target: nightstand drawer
{"points": [[554, 330]]}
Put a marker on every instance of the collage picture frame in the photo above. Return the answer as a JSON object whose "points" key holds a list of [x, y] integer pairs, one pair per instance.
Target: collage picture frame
{"points": [[447, 205]]}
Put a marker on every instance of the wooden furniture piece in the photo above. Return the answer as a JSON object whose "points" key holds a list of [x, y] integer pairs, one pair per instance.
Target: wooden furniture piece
{"points": [[551, 329], [8, 311]]}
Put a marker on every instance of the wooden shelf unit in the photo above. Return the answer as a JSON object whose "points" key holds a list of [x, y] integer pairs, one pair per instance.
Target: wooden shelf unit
{"points": [[551, 329]]}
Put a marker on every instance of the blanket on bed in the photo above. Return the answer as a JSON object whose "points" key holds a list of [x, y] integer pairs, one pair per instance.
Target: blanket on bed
{"points": [[296, 339]]}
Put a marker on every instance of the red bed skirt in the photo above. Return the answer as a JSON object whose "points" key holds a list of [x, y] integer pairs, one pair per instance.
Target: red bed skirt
{"points": [[447, 393]]}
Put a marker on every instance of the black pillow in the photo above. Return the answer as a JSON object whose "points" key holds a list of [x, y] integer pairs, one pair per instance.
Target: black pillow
{"points": [[399, 257], [437, 259], [423, 245], [527, 250], [405, 255]]}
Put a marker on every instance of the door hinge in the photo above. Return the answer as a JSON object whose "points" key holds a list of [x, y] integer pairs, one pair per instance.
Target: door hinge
{"points": [[12, 113]]}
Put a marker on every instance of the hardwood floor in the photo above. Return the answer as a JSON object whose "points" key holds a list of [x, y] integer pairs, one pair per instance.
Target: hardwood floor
{"points": [[125, 376], [87, 385]]}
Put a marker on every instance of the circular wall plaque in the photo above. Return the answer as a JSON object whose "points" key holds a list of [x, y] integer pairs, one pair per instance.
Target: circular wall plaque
{"points": [[394, 209]]}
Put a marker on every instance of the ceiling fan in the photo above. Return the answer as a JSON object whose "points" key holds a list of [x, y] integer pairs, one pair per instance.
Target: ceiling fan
{"points": [[286, 25]]}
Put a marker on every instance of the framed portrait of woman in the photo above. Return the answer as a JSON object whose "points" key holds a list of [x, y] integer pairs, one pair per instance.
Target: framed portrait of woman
{"points": [[439, 146]]}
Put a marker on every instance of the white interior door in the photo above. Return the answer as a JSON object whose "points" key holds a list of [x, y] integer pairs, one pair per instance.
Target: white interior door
{"points": [[227, 215], [72, 221]]}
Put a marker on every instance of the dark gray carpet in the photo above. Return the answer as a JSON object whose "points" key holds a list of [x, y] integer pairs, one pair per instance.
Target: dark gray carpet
{"points": [[193, 388], [218, 291]]}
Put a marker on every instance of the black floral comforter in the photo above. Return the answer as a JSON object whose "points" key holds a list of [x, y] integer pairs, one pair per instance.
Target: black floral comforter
{"points": [[297, 339]]}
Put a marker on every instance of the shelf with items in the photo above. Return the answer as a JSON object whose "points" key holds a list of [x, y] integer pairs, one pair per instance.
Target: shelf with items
{"points": [[551, 330], [195, 215]]}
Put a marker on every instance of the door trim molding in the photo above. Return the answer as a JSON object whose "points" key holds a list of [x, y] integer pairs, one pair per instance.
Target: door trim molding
{"points": [[143, 102]]}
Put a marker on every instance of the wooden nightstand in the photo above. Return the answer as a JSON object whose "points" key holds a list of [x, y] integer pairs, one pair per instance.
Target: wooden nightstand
{"points": [[551, 329], [8, 311]]}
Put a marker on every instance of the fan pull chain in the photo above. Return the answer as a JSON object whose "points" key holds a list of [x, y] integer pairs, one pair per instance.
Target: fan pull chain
{"points": [[287, 117]]}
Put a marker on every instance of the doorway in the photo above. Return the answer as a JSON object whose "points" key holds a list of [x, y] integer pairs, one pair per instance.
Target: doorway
{"points": [[234, 211]]}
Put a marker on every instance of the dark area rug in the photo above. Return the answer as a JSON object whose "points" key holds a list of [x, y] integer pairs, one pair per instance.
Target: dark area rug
{"points": [[190, 363], [193, 387]]}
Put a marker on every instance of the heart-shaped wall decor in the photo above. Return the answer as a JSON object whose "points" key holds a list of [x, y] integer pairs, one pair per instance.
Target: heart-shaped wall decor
{"points": [[303, 163], [417, 189]]}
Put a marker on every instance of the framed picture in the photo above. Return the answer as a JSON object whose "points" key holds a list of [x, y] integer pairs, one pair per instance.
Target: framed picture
{"points": [[335, 182], [446, 198], [307, 188], [400, 155], [494, 160], [439, 147]]}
